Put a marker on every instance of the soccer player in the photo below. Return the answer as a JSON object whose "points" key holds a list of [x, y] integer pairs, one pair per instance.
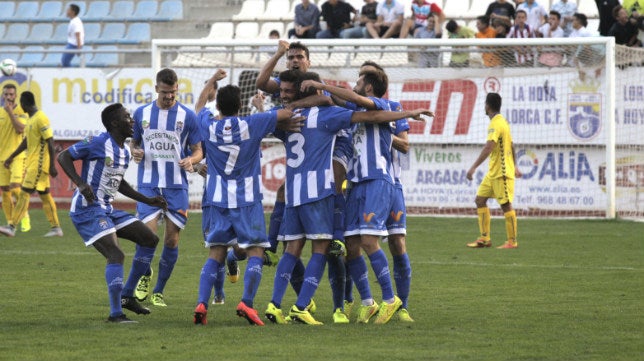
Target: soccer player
{"points": [[499, 180], [12, 128], [39, 165], [166, 143], [105, 159], [232, 210]]}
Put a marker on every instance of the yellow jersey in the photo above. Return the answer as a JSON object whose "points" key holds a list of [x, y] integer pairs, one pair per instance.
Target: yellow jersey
{"points": [[501, 158], [9, 138], [37, 133]]}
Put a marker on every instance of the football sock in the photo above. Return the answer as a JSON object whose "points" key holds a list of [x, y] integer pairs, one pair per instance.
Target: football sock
{"points": [[337, 279], [380, 267], [402, 277], [49, 207], [359, 275], [484, 222], [312, 275], [252, 278], [140, 264], [297, 276], [274, 224], [7, 205], [339, 205], [348, 285], [219, 281], [20, 208], [114, 279], [166, 265], [283, 273], [207, 279], [511, 225]]}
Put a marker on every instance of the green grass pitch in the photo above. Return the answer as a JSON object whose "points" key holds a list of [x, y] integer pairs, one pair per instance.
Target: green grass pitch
{"points": [[573, 291]]}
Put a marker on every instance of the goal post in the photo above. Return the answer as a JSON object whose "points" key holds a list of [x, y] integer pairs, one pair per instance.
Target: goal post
{"points": [[575, 109]]}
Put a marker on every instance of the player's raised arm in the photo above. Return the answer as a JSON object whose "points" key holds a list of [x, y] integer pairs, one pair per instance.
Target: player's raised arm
{"points": [[264, 81], [67, 164], [209, 90], [157, 201], [380, 116], [342, 93]]}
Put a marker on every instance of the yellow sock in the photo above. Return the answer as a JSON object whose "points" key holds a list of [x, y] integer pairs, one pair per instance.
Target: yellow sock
{"points": [[7, 205], [511, 225], [49, 207], [484, 222], [20, 208]]}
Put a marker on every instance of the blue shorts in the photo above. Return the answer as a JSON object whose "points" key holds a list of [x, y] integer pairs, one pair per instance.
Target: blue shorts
{"points": [[244, 226], [309, 221], [368, 206], [93, 223], [343, 148], [397, 220], [177, 199]]}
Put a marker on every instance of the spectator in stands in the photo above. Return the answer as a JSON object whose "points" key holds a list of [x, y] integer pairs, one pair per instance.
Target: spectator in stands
{"points": [[485, 31], [459, 59], [429, 59], [521, 30], [500, 9], [75, 34], [367, 15], [421, 10], [640, 33], [390, 18], [579, 23], [566, 9], [502, 28], [551, 29], [307, 21], [536, 13], [623, 30], [606, 19], [337, 15]]}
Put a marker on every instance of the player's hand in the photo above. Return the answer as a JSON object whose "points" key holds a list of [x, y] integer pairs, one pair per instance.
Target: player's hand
{"points": [[186, 164], [158, 201], [8, 106], [310, 84], [201, 169], [87, 192], [282, 47], [295, 123], [258, 101], [137, 154], [470, 173], [418, 113], [53, 172], [220, 74]]}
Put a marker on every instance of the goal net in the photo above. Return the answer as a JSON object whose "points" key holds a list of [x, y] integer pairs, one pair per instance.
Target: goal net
{"points": [[575, 108]]}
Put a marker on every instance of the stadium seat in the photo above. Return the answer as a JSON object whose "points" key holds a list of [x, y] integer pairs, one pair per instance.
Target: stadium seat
{"points": [[137, 33], [40, 33], [366, 53], [31, 59], [7, 9], [394, 58], [268, 27], [50, 11], [122, 10], [588, 8], [16, 33], [92, 32], [11, 52], [454, 9], [111, 34], [52, 58], [340, 55], [145, 11], [291, 10], [106, 59], [97, 11], [3, 28], [221, 30], [479, 8], [247, 30], [60, 35], [26, 10], [250, 10], [276, 9], [170, 10]]}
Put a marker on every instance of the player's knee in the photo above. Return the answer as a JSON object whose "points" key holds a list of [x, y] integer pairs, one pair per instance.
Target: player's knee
{"points": [[115, 255], [151, 240]]}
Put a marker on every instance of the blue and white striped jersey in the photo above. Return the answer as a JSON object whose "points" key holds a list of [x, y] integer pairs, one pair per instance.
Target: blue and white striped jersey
{"points": [[401, 125], [232, 148], [166, 137], [103, 165]]}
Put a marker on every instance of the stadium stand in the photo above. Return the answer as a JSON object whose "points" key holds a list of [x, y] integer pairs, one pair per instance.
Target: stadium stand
{"points": [[170, 10], [221, 30], [100, 59], [247, 30], [122, 10], [97, 11], [137, 33], [7, 9], [50, 11], [112, 32], [40, 33], [31, 59], [268, 27], [251, 10], [16, 34], [145, 11], [276, 9], [26, 10]]}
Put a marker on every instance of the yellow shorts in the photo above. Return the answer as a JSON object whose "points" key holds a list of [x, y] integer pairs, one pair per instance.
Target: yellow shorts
{"points": [[36, 178], [13, 174], [501, 189]]}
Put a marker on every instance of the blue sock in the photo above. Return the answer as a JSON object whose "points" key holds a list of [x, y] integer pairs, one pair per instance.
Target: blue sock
{"points": [[166, 265], [312, 275], [114, 279], [252, 278], [140, 265], [297, 276], [337, 279], [219, 281], [148, 272], [360, 276], [380, 267], [402, 277], [339, 205], [208, 277], [348, 285], [283, 273], [274, 225]]}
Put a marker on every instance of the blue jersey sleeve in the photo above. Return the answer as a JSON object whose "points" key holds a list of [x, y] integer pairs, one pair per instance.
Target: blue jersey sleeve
{"points": [[138, 128], [261, 124], [334, 118], [351, 106], [381, 104], [82, 149], [192, 127]]}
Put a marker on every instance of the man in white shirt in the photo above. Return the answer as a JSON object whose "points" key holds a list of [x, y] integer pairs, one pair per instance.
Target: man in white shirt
{"points": [[567, 9], [75, 34], [579, 23], [390, 18], [536, 13], [551, 29]]}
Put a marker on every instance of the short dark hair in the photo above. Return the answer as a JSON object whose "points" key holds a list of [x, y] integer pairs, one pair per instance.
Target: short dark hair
{"points": [[309, 75], [274, 33], [229, 100], [616, 10], [451, 26], [378, 81], [110, 114], [298, 45], [555, 13], [582, 18], [27, 99], [521, 11], [371, 63], [291, 76], [167, 76], [484, 19], [9, 86], [75, 8], [493, 101]]}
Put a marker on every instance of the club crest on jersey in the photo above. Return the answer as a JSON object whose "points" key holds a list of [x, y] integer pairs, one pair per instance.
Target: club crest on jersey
{"points": [[584, 112], [88, 139], [145, 124], [109, 162], [102, 223], [179, 126]]}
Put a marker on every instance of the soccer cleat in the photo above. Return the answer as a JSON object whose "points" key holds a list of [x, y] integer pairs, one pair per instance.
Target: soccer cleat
{"points": [[480, 243], [142, 290], [303, 317], [120, 319], [250, 314], [403, 315], [199, 317], [275, 314], [9, 231], [232, 270], [25, 224], [270, 258], [54, 232], [312, 307], [337, 248], [130, 303], [339, 316], [366, 312], [387, 310], [218, 300], [509, 245], [157, 300], [348, 307]]}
